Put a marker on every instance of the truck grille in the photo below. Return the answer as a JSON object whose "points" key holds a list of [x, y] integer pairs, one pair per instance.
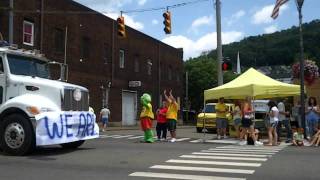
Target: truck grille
{"points": [[68, 103]]}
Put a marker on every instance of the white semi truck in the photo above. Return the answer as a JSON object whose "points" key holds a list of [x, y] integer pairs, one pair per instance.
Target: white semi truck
{"points": [[35, 110]]}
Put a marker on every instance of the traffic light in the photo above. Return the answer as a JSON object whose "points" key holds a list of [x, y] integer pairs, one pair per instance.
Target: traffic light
{"points": [[226, 66], [121, 27], [167, 22]]}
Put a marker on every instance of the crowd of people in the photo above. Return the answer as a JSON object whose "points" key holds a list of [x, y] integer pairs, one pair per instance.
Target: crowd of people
{"points": [[278, 118]]}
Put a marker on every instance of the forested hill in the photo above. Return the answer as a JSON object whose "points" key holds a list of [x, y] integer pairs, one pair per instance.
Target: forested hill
{"points": [[279, 48]]}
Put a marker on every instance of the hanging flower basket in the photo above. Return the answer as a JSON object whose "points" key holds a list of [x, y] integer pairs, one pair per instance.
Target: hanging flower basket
{"points": [[311, 71]]}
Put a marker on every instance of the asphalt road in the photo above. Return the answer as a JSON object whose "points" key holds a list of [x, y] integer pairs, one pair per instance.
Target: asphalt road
{"points": [[121, 158]]}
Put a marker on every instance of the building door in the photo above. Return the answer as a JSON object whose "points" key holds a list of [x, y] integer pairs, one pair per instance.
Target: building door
{"points": [[129, 108]]}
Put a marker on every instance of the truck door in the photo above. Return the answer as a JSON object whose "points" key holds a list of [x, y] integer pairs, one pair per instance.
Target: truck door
{"points": [[2, 82]]}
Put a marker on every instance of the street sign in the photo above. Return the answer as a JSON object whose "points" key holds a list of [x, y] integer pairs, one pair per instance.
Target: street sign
{"points": [[134, 83]]}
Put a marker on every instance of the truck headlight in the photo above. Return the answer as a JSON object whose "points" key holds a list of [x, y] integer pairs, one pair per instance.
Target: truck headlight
{"points": [[33, 110]]}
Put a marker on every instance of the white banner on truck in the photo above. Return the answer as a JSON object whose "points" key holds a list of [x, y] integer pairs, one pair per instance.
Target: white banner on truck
{"points": [[65, 126]]}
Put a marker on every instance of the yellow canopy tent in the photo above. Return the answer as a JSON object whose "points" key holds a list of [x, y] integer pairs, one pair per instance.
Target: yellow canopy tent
{"points": [[253, 84]]}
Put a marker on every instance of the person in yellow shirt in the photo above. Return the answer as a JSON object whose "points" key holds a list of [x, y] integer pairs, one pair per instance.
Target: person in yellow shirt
{"points": [[172, 114], [221, 120], [146, 117]]}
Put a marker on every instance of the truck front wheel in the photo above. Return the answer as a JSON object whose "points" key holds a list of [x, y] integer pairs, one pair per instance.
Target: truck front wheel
{"points": [[72, 145], [16, 135]]}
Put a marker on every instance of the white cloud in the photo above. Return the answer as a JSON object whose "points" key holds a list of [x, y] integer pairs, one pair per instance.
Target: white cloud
{"points": [[204, 20], [271, 29], [142, 2], [105, 6], [155, 22], [263, 16], [207, 42], [128, 20], [236, 16]]}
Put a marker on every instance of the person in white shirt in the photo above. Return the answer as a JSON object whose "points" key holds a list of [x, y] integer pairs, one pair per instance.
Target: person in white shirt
{"points": [[274, 119], [284, 119], [104, 116]]}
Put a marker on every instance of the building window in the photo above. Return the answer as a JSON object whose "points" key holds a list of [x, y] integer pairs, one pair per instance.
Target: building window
{"points": [[85, 44], [105, 54], [28, 33], [170, 73], [136, 65], [59, 40], [121, 58], [149, 67], [178, 76]]}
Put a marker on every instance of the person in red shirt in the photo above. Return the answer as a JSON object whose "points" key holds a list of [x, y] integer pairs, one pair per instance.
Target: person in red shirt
{"points": [[162, 121]]}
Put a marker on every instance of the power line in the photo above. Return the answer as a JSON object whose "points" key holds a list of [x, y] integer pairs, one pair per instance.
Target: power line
{"points": [[105, 12], [163, 8]]}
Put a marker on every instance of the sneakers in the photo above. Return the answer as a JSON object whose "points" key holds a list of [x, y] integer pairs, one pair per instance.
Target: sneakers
{"points": [[225, 137], [173, 140], [242, 143], [257, 143], [218, 137]]}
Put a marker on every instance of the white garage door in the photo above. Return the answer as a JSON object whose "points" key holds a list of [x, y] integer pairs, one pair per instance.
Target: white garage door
{"points": [[129, 108]]}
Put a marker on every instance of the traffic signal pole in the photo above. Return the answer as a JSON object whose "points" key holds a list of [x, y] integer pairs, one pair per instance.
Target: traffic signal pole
{"points": [[219, 42]]}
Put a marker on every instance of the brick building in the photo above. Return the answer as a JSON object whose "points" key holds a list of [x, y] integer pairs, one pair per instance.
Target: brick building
{"points": [[110, 67]]}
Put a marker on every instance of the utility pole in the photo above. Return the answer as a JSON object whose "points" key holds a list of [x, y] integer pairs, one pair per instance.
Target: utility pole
{"points": [[299, 4], [219, 42], [187, 97], [11, 23]]}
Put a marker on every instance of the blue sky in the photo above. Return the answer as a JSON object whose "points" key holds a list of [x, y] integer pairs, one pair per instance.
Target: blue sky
{"points": [[193, 26]]}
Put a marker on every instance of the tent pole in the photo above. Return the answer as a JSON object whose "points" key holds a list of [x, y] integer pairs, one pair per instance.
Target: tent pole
{"points": [[204, 123]]}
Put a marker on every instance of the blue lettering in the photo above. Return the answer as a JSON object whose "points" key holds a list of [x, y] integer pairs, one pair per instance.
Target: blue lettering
{"points": [[55, 130], [68, 126], [90, 126], [82, 126]]}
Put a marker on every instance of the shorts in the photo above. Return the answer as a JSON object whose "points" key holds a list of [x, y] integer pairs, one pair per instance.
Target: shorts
{"points": [[172, 125], [246, 123], [274, 124], [146, 123], [237, 122], [222, 123], [105, 120]]}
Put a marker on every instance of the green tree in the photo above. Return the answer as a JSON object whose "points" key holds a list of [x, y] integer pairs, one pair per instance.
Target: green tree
{"points": [[202, 72]]}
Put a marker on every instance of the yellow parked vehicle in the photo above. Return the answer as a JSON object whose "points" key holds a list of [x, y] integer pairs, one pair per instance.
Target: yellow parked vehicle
{"points": [[208, 116]]}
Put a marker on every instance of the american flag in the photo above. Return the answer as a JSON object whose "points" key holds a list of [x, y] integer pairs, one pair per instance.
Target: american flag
{"points": [[276, 8]]}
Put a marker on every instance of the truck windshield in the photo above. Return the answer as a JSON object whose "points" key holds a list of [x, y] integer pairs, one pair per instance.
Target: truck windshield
{"points": [[210, 108], [21, 65]]}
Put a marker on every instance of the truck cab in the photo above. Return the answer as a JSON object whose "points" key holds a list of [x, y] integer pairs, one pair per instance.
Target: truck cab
{"points": [[26, 91]]}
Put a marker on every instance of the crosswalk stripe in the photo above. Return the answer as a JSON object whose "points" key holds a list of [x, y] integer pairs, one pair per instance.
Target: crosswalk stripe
{"points": [[181, 176], [222, 141], [136, 137], [124, 136], [196, 141], [109, 136], [232, 154], [236, 151], [245, 150], [224, 157], [204, 169], [214, 163], [182, 139], [250, 147]]}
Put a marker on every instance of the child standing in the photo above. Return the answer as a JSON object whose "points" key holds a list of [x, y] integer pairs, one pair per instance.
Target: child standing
{"points": [[162, 122]]}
